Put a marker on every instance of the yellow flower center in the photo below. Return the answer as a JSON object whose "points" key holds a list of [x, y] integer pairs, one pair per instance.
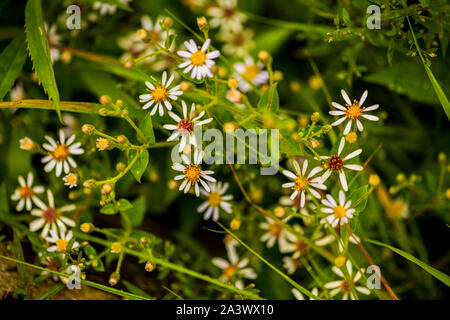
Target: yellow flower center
{"points": [[339, 261], [71, 179], [60, 152], [192, 173], [62, 244], [103, 144], [340, 212], [198, 58], [229, 271], [300, 183], [159, 94], [274, 230], [250, 72], [214, 199], [354, 111], [25, 192], [27, 144]]}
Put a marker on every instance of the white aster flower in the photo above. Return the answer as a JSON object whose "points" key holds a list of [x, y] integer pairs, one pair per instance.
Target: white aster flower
{"points": [[274, 233], [50, 216], [234, 270], [252, 72], [26, 193], [71, 180], [51, 264], [304, 183], [291, 264], [197, 59], [160, 94], [61, 242], [226, 16], [352, 111], [193, 173], [106, 9], [187, 126], [236, 43], [345, 285], [295, 244], [337, 164], [60, 153], [26, 144], [299, 296], [339, 213], [216, 200]]}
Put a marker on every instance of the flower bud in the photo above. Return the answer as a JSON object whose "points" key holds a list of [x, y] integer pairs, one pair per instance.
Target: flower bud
{"points": [[351, 137], [167, 23], [87, 128], [326, 128], [103, 112], [313, 143], [121, 139], [264, 56], [142, 34], [116, 247], [315, 117], [442, 157], [107, 188], [374, 180], [89, 183], [129, 64], [277, 76], [279, 211], [229, 126], [185, 86], [120, 166], [87, 227], [202, 24], [232, 83], [235, 224], [105, 100], [103, 144], [66, 57], [149, 266], [114, 279]]}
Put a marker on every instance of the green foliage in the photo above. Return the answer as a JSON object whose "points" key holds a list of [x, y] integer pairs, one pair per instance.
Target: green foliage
{"points": [[11, 63]]}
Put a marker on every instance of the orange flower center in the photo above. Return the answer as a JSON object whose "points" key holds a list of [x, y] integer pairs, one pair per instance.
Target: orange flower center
{"points": [[340, 212], [60, 152], [198, 58], [354, 111], [300, 183], [25, 192], [250, 72], [336, 163], [71, 179], [214, 199], [62, 244], [229, 271], [302, 247], [159, 94], [274, 230], [192, 173]]}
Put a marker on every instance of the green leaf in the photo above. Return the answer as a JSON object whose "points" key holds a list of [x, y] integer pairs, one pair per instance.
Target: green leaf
{"points": [[438, 90], [92, 255], [11, 63], [39, 50], [137, 213], [146, 126], [52, 291], [124, 205], [434, 272], [270, 99], [356, 195], [109, 209], [135, 289], [140, 165], [18, 252], [4, 207]]}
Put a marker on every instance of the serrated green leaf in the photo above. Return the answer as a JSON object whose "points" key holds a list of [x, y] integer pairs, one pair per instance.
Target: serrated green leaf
{"points": [[11, 63], [146, 127], [39, 50], [140, 165], [434, 272]]}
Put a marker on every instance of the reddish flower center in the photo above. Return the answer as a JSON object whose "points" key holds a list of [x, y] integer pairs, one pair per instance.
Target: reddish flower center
{"points": [[345, 286], [186, 125], [25, 192], [49, 215], [336, 163], [302, 247]]}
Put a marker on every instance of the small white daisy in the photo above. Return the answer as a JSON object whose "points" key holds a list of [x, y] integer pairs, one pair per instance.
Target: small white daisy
{"points": [[250, 71], [187, 126], [71, 180], [60, 153], [291, 264], [236, 43], [105, 8], [50, 217], [345, 285], [304, 183], [353, 111], [160, 94], [226, 16], [274, 233], [193, 173], [234, 270], [26, 144], [337, 164], [216, 200], [339, 214], [299, 296], [60, 241], [26, 193], [197, 59]]}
